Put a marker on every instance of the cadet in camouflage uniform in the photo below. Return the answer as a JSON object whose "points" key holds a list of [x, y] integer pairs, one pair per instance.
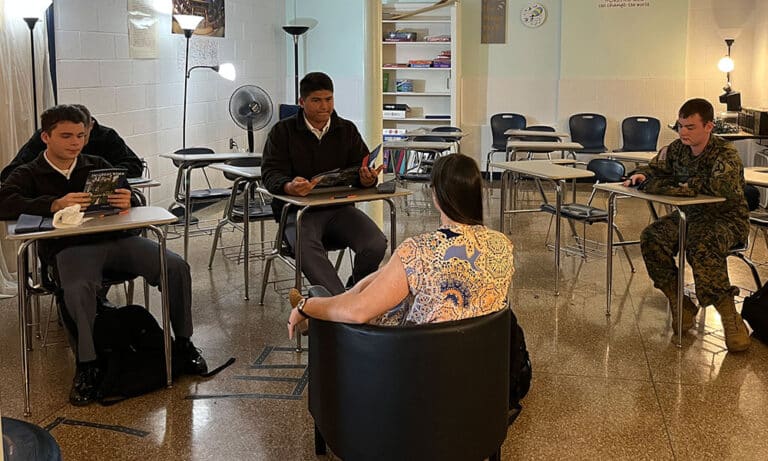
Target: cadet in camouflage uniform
{"points": [[698, 163]]}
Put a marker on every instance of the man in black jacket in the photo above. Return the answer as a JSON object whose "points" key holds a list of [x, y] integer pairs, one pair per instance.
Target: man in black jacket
{"points": [[313, 141], [100, 141], [54, 181]]}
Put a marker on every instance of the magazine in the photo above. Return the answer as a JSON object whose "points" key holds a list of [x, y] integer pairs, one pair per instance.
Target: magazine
{"points": [[101, 184]]}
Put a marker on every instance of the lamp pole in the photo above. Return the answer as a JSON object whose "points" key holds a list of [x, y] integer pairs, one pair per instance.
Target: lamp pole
{"points": [[296, 31], [187, 35], [728, 43], [31, 23]]}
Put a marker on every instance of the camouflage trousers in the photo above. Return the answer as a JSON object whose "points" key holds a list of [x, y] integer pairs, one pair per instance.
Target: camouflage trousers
{"points": [[707, 247]]}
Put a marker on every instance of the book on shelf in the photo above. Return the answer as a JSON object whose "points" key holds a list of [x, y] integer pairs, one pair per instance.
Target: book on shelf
{"points": [[437, 116], [394, 114], [391, 106]]}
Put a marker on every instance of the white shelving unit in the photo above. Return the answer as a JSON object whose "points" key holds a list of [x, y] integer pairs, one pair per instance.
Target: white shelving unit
{"points": [[434, 88]]}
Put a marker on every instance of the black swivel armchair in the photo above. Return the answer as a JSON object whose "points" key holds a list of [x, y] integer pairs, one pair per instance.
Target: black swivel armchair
{"points": [[434, 391]]}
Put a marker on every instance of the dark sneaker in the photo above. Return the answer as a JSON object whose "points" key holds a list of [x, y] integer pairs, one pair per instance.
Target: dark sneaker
{"points": [[192, 360], [85, 384]]}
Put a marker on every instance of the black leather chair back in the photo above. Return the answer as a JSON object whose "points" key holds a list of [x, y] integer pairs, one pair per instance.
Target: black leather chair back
{"points": [[501, 123], [606, 170], [640, 133], [434, 391], [589, 131]]}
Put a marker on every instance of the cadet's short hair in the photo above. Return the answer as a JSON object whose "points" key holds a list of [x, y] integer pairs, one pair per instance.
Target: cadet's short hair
{"points": [[697, 106], [314, 81], [84, 110], [62, 113], [458, 188]]}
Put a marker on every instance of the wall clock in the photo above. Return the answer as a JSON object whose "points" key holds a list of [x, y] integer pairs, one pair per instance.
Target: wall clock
{"points": [[533, 15]]}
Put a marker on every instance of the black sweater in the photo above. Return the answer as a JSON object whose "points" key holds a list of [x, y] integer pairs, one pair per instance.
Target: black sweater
{"points": [[292, 150], [103, 142], [32, 187]]}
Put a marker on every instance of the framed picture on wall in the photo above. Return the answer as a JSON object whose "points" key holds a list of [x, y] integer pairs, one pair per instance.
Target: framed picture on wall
{"points": [[212, 12]]}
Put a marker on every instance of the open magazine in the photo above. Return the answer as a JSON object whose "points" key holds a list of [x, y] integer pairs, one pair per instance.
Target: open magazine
{"points": [[100, 184], [347, 176]]}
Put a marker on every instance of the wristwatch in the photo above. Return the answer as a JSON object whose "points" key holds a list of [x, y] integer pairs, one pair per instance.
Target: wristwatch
{"points": [[300, 308]]}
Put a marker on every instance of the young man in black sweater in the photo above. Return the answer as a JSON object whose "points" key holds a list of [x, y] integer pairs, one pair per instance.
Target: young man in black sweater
{"points": [[54, 181], [100, 141], [311, 142]]}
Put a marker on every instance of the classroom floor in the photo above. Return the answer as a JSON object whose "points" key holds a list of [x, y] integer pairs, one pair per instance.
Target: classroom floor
{"points": [[603, 387]]}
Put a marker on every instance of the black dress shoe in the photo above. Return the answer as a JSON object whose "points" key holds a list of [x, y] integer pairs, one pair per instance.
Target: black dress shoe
{"points": [[191, 359], [85, 384]]}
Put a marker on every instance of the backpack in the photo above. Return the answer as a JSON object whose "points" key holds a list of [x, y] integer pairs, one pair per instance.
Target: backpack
{"points": [[755, 312], [520, 370], [130, 349]]}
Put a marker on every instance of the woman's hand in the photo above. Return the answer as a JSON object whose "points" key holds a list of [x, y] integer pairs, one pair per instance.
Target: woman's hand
{"points": [[296, 320]]}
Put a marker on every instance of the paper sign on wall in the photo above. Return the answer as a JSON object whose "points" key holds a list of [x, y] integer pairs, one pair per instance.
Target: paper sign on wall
{"points": [[142, 29]]}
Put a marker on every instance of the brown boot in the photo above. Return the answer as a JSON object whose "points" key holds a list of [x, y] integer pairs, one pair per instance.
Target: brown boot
{"points": [[689, 309], [736, 333]]}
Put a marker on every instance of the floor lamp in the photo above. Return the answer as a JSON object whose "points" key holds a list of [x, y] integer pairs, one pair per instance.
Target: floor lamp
{"points": [[31, 11], [296, 31], [188, 23]]}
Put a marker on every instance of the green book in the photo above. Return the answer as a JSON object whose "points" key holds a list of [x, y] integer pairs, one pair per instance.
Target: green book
{"points": [[385, 79]]}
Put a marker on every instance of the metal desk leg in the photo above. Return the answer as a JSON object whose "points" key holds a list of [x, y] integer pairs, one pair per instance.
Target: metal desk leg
{"points": [[504, 185], [246, 234], [609, 255], [299, 215], [187, 206], [22, 260], [165, 303], [392, 226], [558, 204], [682, 228]]}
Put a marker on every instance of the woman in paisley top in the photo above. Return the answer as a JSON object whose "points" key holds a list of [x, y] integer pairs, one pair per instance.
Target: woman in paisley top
{"points": [[461, 270]]}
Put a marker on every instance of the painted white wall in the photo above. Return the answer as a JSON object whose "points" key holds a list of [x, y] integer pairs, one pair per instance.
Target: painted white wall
{"points": [[336, 45], [142, 98]]}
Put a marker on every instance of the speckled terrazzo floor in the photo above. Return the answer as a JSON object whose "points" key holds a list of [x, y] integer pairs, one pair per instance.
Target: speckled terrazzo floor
{"points": [[604, 387]]}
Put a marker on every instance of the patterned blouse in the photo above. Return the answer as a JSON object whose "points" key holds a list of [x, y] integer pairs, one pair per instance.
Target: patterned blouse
{"points": [[456, 272]]}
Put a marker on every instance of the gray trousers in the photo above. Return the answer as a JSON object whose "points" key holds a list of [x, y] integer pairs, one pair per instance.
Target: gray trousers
{"points": [[81, 269], [334, 228]]}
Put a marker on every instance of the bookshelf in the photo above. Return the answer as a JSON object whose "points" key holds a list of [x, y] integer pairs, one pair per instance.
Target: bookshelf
{"points": [[433, 90]]}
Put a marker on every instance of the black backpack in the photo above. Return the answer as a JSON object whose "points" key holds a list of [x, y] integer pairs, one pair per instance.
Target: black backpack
{"points": [[129, 346], [520, 370], [755, 312]]}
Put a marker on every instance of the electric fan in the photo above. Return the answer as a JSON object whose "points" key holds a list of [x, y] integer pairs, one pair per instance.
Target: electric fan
{"points": [[251, 109]]}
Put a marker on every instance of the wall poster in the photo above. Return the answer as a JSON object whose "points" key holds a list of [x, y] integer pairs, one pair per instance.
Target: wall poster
{"points": [[212, 12], [493, 23]]}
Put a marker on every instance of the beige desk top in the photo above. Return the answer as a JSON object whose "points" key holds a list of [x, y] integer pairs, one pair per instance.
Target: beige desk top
{"points": [[543, 146], [337, 197], [143, 183], [521, 133], [429, 132], [665, 199], [132, 219], [543, 169], [430, 145], [639, 157], [215, 157], [248, 172], [756, 175]]}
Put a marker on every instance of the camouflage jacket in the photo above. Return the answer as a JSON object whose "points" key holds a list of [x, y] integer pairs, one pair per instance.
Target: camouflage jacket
{"points": [[717, 171]]}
